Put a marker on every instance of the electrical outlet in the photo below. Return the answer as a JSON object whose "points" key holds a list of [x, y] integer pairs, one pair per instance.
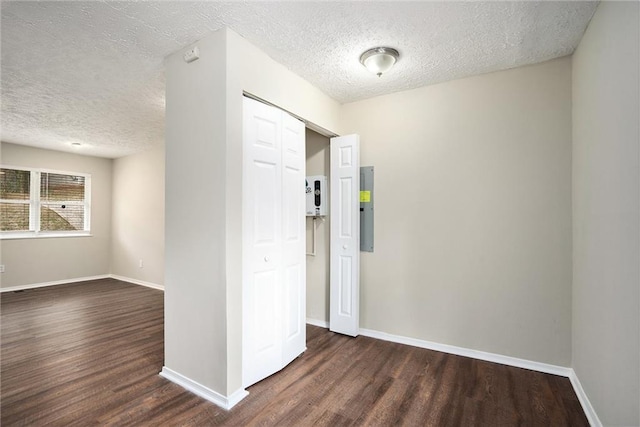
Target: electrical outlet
{"points": [[140, 264], [1, 268]]}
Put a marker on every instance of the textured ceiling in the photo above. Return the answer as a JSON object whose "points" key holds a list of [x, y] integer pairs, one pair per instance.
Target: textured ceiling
{"points": [[91, 72]]}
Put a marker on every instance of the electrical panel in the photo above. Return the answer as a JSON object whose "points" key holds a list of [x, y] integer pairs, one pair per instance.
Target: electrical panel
{"points": [[366, 209], [316, 189]]}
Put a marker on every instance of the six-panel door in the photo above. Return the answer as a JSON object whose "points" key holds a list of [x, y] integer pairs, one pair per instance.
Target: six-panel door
{"points": [[274, 275], [344, 305]]}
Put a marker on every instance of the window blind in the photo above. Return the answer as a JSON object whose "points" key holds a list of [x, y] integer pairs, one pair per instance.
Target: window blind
{"points": [[14, 199], [61, 202], [35, 202]]}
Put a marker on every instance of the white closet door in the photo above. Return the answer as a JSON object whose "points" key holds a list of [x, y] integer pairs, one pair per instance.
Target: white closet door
{"points": [[274, 262], [262, 241], [294, 235], [344, 306]]}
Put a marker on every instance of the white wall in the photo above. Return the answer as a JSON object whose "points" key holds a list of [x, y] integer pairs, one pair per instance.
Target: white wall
{"points": [[203, 251], [606, 212], [34, 261], [138, 217], [318, 163], [473, 212], [195, 165]]}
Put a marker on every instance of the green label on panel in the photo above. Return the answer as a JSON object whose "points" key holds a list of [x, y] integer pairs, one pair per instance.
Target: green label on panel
{"points": [[365, 196]]}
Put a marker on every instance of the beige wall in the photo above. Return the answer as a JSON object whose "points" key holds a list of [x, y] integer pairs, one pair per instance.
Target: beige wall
{"points": [[127, 222], [203, 251], [473, 212], [33, 261], [318, 163], [606, 212], [138, 217]]}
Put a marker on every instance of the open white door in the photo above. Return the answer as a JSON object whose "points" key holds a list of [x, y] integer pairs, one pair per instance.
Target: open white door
{"points": [[344, 311]]}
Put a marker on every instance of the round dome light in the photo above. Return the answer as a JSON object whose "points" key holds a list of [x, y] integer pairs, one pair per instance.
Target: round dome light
{"points": [[379, 59]]}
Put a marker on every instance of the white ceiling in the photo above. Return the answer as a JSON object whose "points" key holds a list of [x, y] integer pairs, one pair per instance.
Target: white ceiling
{"points": [[91, 72]]}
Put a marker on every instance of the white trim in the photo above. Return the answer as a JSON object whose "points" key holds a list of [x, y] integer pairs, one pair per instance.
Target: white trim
{"points": [[237, 396], [589, 412], [55, 171], [9, 235], [34, 201], [460, 351], [592, 417], [206, 393], [87, 203], [320, 323], [467, 352], [137, 282], [82, 279], [54, 283]]}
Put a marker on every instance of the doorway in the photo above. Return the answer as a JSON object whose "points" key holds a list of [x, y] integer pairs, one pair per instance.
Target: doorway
{"points": [[318, 158], [274, 266]]}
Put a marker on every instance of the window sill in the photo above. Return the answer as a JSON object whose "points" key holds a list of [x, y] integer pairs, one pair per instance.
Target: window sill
{"points": [[13, 236]]}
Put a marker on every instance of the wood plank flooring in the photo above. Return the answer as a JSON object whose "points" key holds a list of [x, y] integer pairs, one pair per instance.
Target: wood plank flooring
{"points": [[89, 353]]}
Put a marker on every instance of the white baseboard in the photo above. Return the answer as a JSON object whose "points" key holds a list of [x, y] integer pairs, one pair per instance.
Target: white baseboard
{"points": [[467, 352], [460, 351], [54, 283], [590, 413], [82, 279], [137, 282], [320, 323], [592, 417], [206, 393]]}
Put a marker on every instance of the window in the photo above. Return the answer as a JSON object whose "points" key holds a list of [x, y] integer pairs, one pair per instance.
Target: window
{"points": [[41, 203]]}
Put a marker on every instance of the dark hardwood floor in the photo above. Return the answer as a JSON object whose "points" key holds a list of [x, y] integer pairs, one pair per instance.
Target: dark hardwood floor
{"points": [[89, 353]]}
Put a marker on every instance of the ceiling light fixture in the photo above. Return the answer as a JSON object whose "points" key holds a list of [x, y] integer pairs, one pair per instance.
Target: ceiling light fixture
{"points": [[76, 144], [379, 59]]}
